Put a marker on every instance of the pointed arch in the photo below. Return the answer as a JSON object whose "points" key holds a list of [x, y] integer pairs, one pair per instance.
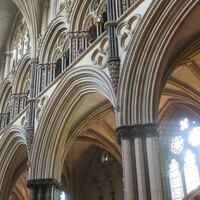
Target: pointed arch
{"points": [[13, 157], [6, 89], [148, 60], [21, 81], [62, 112], [52, 38]]}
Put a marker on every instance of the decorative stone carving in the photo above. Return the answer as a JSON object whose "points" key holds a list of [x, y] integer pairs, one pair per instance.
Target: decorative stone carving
{"points": [[40, 104], [138, 36], [33, 183], [113, 67], [126, 29], [24, 121], [29, 140], [100, 55], [68, 9], [137, 131]]}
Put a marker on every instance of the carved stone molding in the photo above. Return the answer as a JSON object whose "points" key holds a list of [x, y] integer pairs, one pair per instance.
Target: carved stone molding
{"points": [[40, 105], [100, 55], [34, 183], [113, 67], [137, 38], [29, 138], [126, 29], [137, 131], [34, 60]]}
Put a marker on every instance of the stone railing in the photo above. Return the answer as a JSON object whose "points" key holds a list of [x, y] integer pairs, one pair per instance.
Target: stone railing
{"points": [[76, 43], [46, 73], [18, 103]]}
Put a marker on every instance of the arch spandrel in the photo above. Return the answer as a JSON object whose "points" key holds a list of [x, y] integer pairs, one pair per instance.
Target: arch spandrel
{"points": [[57, 128]]}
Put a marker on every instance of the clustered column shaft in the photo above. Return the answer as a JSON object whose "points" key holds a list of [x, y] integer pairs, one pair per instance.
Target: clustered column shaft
{"points": [[140, 163], [31, 101], [44, 189], [113, 60]]}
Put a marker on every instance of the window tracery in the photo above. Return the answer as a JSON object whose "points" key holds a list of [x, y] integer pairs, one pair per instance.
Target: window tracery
{"points": [[183, 169], [96, 18]]}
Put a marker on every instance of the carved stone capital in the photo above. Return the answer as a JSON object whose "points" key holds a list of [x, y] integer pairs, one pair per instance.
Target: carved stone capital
{"points": [[137, 131], [34, 60], [123, 132], [152, 130], [36, 183], [110, 23]]}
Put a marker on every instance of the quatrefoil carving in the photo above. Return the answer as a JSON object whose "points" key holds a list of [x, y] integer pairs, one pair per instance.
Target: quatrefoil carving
{"points": [[126, 29], [100, 55], [40, 105]]}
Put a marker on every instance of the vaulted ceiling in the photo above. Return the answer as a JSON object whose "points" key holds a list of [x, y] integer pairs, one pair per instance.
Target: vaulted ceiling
{"points": [[7, 11]]}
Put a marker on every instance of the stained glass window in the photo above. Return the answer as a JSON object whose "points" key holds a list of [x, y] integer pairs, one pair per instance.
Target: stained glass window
{"points": [[184, 124], [191, 171], [63, 196], [183, 168], [175, 180], [177, 144], [194, 137]]}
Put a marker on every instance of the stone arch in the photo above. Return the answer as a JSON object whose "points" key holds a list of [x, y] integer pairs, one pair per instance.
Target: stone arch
{"points": [[21, 81], [86, 10], [96, 176], [14, 157], [76, 181], [80, 11], [62, 114], [146, 65], [6, 89], [49, 42]]}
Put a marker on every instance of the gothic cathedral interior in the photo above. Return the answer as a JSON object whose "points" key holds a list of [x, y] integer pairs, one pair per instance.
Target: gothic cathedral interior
{"points": [[99, 99]]}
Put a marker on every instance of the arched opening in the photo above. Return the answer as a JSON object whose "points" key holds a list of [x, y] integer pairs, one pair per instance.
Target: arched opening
{"points": [[91, 172], [93, 33], [92, 160], [58, 67], [14, 167], [179, 113], [20, 190]]}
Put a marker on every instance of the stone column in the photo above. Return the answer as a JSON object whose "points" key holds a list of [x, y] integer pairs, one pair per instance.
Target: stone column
{"points": [[31, 104], [151, 133], [44, 189], [124, 135], [39, 78], [142, 179], [99, 24], [46, 74], [113, 59], [76, 40], [70, 38], [120, 8]]}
